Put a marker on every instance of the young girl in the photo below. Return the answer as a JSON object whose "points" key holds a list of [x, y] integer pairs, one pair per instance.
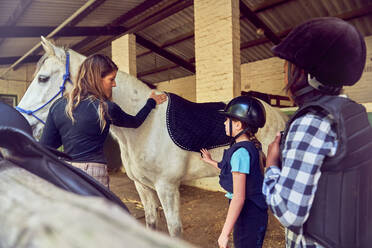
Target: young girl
{"points": [[80, 121], [241, 175]]}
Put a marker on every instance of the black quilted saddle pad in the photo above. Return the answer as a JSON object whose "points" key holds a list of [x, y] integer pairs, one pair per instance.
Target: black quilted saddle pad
{"points": [[193, 126]]}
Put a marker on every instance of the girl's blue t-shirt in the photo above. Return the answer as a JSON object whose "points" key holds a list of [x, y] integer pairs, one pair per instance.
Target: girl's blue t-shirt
{"points": [[240, 162]]}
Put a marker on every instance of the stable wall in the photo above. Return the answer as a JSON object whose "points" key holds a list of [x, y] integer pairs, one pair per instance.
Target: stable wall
{"points": [[184, 87], [263, 76], [362, 91], [16, 82]]}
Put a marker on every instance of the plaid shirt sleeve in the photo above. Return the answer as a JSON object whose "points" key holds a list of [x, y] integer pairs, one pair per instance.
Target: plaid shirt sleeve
{"points": [[290, 191]]}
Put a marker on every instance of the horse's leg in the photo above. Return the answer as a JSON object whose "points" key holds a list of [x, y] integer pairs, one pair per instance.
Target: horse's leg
{"points": [[169, 197], [150, 204]]}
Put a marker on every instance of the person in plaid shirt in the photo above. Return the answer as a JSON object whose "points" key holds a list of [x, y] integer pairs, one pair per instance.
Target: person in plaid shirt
{"points": [[318, 171]]}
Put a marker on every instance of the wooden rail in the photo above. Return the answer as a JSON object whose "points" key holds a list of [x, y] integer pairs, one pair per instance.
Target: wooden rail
{"points": [[269, 97]]}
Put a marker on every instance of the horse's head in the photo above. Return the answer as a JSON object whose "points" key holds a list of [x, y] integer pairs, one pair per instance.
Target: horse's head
{"points": [[47, 82]]}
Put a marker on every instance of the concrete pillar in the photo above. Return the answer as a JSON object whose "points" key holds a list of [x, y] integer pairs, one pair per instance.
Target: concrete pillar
{"points": [[124, 54], [217, 49]]}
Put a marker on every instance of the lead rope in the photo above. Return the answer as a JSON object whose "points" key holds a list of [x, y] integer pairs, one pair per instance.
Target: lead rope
{"points": [[66, 77]]}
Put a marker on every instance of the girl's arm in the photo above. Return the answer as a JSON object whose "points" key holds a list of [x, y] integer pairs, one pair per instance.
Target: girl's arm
{"points": [[235, 207], [206, 157]]}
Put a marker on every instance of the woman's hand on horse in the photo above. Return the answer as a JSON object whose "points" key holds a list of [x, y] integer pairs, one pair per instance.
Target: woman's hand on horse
{"points": [[158, 98]]}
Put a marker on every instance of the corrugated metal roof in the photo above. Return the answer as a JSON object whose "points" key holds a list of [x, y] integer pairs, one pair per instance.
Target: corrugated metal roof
{"points": [[167, 75], [17, 47], [152, 61], [6, 10], [108, 11], [49, 13], [171, 27], [185, 49], [256, 53]]}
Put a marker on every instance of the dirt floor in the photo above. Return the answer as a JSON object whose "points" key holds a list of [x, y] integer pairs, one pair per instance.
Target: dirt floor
{"points": [[203, 213]]}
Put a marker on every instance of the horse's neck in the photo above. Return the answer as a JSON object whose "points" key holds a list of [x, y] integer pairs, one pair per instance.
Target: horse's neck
{"points": [[130, 93]]}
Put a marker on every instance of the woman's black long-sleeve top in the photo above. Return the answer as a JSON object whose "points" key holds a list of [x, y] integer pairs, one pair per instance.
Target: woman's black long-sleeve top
{"points": [[83, 140]]}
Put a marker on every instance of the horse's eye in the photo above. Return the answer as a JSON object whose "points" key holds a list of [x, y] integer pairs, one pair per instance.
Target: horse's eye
{"points": [[43, 79]]}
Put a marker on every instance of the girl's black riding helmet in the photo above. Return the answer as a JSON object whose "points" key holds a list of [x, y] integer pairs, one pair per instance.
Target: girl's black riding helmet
{"points": [[248, 110]]}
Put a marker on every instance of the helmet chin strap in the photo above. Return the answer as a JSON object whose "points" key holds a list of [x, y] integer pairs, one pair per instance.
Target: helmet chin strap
{"points": [[313, 84], [300, 92], [233, 139]]}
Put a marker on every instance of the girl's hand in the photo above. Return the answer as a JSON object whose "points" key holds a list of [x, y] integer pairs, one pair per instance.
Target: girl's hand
{"points": [[206, 155], [158, 98], [273, 152], [223, 241]]}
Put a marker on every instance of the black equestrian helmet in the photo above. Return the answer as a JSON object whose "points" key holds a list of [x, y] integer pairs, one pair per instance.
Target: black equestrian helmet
{"points": [[329, 48], [246, 109]]}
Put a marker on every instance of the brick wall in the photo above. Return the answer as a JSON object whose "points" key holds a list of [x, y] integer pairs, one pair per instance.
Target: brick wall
{"points": [[264, 76], [16, 82], [217, 49], [362, 91], [124, 53], [184, 87]]}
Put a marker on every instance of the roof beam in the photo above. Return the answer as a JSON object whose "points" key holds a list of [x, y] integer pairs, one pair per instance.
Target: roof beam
{"points": [[78, 18], [260, 41], [157, 17], [11, 60], [253, 18], [34, 31], [346, 16], [156, 70], [120, 20], [170, 56], [62, 25], [268, 4], [161, 15], [86, 12], [262, 7], [160, 69], [172, 42], [18, 13], [363, 11]]}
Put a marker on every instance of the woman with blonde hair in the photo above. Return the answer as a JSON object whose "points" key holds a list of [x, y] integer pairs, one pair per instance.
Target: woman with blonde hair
{"points": [[80, 121]]}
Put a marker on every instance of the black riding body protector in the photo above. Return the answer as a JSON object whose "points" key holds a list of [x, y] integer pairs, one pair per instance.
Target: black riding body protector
{"points": [[253, 185], [341, 214]]}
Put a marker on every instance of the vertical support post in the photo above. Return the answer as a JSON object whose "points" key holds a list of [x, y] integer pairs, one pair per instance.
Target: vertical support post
{"points": [[217, 50]]}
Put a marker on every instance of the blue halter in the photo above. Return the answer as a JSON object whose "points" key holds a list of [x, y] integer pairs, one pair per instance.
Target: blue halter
{"points": [[66, 77]]}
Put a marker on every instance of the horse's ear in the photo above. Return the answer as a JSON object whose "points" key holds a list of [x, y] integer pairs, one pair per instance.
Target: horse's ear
{"points": [[51, 49], [48, 46]]}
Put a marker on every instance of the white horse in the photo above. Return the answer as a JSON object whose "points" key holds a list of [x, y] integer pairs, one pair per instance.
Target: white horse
{"points": [[151, 159]]}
